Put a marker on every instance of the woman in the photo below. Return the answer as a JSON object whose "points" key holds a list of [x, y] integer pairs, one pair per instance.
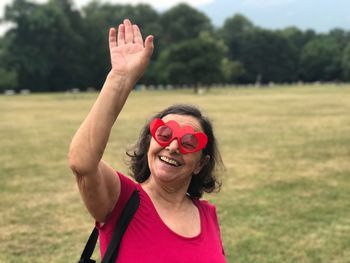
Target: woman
{"points": [[172, 163]]}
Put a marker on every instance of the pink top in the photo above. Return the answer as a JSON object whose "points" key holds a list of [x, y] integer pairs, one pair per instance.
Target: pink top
{"points": [[148, 239]]}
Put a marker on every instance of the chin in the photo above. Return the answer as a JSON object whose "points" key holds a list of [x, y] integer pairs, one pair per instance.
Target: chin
{"points": [[165, 176]]}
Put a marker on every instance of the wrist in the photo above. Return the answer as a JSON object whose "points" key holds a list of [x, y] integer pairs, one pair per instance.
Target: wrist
{"points": [[119, 77]]}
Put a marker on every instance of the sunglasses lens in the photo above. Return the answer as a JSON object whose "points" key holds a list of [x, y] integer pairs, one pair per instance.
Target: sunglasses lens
{"points": [[189, 142], [164, 133]]}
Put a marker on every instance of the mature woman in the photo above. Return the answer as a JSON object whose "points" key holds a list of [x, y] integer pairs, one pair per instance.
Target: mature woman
{"points": [[172, 164]]}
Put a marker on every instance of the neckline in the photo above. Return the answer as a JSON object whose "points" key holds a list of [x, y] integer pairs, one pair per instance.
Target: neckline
{"points": [[195, 202]]}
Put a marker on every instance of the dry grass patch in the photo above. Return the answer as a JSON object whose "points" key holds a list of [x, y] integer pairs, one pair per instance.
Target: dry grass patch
{"points": [[285, 189]]}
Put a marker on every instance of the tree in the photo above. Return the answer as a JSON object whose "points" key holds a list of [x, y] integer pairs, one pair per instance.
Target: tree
{"points": [[192, 62], [268, 56], [346, 63], [298, 37], [321, 60], [69, 68], [8, 77], [98, 18], [232, 70], [341, 36], [182, 22], [46, 47], [234, 34]]}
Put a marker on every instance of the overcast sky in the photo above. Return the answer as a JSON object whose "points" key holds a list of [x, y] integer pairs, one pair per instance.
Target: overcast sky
{"points": [[320, 15]]}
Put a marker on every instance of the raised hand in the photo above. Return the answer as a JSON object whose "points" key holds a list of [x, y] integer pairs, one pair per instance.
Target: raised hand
{"points": [[129, 53]]}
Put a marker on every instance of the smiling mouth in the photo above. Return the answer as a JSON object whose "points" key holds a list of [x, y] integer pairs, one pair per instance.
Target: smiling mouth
{"points": [[169, 161]]}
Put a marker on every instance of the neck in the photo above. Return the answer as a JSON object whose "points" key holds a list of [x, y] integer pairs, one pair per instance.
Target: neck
{"points": [[173, 194]]}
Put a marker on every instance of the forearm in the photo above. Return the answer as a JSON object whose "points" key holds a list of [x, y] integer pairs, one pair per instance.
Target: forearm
{"points": [[89, 142]]}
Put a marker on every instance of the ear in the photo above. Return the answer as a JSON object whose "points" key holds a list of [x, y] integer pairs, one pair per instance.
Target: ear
{"points": [[204, 160]]}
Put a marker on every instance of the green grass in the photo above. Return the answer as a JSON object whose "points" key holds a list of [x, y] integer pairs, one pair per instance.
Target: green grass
{"points": [[286, 188]]}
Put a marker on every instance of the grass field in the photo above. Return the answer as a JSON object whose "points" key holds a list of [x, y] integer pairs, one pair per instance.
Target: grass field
{"points": [[286, 188]]}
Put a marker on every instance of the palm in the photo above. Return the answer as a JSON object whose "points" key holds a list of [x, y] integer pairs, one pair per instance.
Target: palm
{"points": [[126, 58], [129, 55]]}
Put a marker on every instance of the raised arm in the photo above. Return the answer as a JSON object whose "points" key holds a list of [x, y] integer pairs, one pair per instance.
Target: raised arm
{"points": [[97, 182]]}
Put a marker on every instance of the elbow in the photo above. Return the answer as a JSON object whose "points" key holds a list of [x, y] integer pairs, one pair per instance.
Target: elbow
{"points": [[76, 163], [80, 164], [82, 160], [73, 162], [100, 218]]}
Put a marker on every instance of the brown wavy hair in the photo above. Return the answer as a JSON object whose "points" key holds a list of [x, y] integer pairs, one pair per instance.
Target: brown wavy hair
{"points": [[205, 180]]}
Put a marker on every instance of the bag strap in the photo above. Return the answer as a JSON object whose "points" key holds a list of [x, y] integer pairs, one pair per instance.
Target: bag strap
{"points": [[89, 247], [123, 222], [120, 228]]}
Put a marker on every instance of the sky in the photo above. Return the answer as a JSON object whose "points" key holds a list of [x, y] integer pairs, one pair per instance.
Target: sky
{"points": [[319, 15]]}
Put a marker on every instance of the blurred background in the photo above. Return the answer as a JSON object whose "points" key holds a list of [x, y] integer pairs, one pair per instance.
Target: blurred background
{"points": [[58, 45], [273, 76]]}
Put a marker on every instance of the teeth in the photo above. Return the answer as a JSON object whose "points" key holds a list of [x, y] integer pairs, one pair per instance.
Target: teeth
{"points": [[170, 161]]}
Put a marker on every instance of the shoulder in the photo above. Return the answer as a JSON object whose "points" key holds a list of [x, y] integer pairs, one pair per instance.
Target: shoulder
{"points": [[210, 215], [125, 180], [127, 187], [205, 203], [206, 207]]}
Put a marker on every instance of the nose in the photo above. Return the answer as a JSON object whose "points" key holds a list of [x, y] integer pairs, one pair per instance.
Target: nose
{"points": [[173, 147]]}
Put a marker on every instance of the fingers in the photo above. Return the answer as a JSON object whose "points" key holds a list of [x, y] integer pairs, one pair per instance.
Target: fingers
{"points": [[137, 35], [121, 34], [112, 38], [125, 33], [149, 46], [129, 32]]}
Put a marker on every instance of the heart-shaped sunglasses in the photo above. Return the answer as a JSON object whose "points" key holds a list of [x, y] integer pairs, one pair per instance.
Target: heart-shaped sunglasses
{"points": [[189, 140]]}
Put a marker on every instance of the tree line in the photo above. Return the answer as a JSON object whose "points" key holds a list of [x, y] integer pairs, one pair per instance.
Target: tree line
{"points": [[54, 47]]}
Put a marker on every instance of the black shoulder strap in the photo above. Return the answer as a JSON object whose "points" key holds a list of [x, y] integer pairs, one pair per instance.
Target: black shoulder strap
{"points": [[123, 222], [89, 248], [113, 247]]}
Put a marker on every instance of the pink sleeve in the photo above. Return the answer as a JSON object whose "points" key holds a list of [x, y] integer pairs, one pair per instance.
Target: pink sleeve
{"points": [[127, 186]]}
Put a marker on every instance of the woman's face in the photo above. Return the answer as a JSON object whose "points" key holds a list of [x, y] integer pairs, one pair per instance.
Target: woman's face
{"points": [[168, 164]]}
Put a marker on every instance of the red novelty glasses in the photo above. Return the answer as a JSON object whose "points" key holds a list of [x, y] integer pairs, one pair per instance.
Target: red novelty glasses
{"points": [[189, 141]]}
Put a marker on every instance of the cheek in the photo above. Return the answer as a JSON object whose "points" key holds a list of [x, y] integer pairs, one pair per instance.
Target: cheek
{"points": [[193, 158], [154, 147], [151, 155]]}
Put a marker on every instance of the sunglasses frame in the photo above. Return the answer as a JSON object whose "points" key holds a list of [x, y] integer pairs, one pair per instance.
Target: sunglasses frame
{"points": [[178, 133]]}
